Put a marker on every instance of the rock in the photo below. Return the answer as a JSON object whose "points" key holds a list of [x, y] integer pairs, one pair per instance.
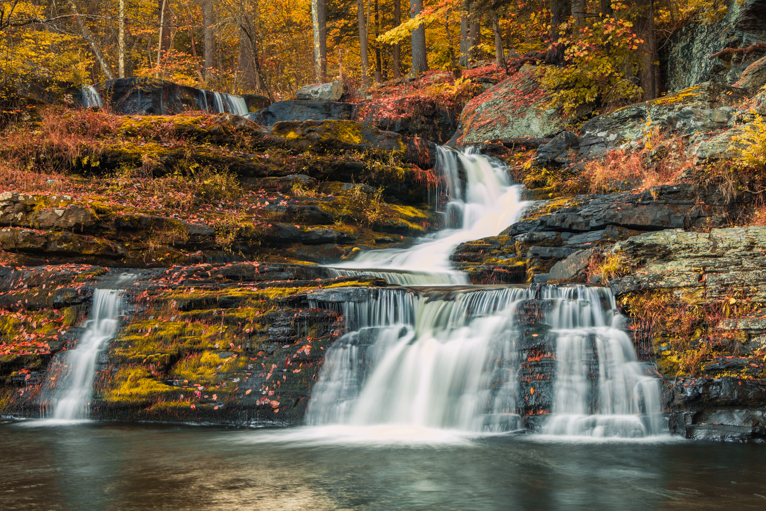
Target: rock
{"points": [[517, 107], [663, 207], [147, 96], [411, 116], [321, 92], [686, 59], [303, 110], [572, 268], [558, 149], [702, 109], [256, 102], [754, 77], [722, 262], [72, 218]]}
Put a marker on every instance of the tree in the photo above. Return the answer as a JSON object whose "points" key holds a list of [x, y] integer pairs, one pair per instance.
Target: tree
{"points": [[645, 29], [419, 56], [319, 23], [396, 51], [363, 43], [121, 38], [499, 56], [208, 27]]}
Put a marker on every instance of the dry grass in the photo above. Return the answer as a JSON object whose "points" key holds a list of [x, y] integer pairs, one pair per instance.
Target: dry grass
{"points": [[662, 161]]}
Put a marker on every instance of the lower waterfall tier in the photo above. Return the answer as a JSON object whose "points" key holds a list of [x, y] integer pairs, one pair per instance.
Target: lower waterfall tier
{"points": [[502, 359]]}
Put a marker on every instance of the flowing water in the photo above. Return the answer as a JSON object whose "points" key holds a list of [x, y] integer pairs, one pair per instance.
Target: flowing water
{"points": [[74, 387], [452, 361]]}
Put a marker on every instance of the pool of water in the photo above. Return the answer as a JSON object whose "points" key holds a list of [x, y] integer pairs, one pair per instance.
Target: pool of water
{"points": [[136, 467]]}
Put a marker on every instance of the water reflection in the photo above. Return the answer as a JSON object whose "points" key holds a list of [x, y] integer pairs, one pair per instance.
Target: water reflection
{"points": [[114, 467]]}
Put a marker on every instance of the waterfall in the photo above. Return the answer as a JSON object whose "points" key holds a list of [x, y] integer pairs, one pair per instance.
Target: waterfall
{"points": [[622, 398], [229, 103], [75, 387], [91, 98], [489, 204], [462, 357]]}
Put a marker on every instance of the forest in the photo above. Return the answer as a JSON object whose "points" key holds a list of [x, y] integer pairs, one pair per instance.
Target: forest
{"points": [[604, 51]]}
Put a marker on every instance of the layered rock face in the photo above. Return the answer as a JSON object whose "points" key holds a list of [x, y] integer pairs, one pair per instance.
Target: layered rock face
{"points": [[709, 333]]}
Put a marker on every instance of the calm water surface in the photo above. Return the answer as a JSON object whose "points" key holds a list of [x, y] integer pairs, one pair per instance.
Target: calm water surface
{"points": [[121, 467]]}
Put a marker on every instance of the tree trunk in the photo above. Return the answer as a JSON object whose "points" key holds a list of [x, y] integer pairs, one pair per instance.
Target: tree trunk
{"points": [[363, 42], [322, 40], [92, 41], [397, 55], [475, 32], [560, 10], [164, 37], [650, 73], [419, 56], [209, 38], [499, 56], [465, 41], [606, 8], [245, 61], [579, 8], [378, 55], [319, 22], [121, 39]]}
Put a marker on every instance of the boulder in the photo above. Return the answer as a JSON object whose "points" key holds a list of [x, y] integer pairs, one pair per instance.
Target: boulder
{"points": [[686, 59], [517, 107], [558, 149], [572, 268], [303, 110], [754, 77], [322, 91], [256, 102], [411, 116]]}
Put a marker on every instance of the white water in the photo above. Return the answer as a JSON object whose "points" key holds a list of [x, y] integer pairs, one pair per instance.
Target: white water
{"points": [[91, 97], [626, 400], [413, 362], [229, 103], [489, 204], [76, 385]]}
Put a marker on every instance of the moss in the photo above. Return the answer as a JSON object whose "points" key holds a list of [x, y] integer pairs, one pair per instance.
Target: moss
{"points": [[136, 385], [204, 368]]}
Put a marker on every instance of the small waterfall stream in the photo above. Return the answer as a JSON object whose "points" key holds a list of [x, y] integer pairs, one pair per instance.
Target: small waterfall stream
{"points": [[75, 387], [452, 359]]}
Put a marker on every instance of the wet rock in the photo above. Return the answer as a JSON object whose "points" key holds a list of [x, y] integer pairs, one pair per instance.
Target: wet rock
{"points": [[256, 102], [321, 92], [303, 110]]}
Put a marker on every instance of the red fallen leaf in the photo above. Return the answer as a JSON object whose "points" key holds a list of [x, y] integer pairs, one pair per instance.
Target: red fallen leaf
{"points": [[193, 407], [248, 391]]}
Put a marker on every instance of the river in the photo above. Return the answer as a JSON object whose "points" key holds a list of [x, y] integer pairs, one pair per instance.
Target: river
{"points": [[135, 467]]}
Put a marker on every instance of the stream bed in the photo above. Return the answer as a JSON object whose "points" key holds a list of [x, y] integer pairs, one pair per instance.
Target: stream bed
{"points": [[135, 467]]}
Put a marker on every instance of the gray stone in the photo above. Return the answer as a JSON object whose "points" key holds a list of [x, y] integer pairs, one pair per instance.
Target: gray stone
{"points": [[302, 110], [558, 149], [687, 55], [331, 91], [571, 268]]}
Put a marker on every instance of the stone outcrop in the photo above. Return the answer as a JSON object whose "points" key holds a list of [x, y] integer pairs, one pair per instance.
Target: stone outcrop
{"points": [[411, 116], [686, 59], [710, 333], [231, 344], [516, 107], [554, 231]]}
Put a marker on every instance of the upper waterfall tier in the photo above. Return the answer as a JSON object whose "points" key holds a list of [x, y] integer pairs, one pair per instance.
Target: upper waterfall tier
{"points": [[487, 204]]}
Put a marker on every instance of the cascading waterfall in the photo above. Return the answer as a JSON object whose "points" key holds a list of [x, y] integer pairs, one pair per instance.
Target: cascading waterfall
{"points": [[74, 388], [621, 399], [91, 98], [489, 204], [450, 359], [229, 103]]}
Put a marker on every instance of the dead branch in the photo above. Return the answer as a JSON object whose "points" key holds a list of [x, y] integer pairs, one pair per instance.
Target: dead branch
{"points": [[729, 51]]}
